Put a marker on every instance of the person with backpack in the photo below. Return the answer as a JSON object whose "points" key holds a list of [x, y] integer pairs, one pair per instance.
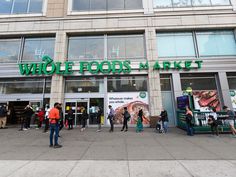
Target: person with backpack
{"points": [[111, 116], [214, 125], [127, 116], [3, 116], [189, 119]]}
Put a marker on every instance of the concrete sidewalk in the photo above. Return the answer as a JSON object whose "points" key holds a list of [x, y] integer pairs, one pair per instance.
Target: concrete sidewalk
{"points": [[91, 153]]}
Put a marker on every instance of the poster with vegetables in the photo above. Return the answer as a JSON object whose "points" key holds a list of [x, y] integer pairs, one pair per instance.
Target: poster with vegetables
{"points": [[133, 101], [233, 98], [206, 100]]}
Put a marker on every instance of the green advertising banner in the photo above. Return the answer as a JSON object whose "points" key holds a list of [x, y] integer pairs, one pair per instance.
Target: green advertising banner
{"points": [[49, 67]]}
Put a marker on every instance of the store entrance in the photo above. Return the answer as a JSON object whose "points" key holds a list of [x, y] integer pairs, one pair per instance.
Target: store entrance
{"points": [[16, 111], [90, 104]]}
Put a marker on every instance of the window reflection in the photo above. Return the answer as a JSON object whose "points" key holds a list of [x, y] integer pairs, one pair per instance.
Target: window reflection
{"points": [[9, 50], [83, 48], [127, 84], [36, 48], [36, 6], [5, 6], [20, 6]]}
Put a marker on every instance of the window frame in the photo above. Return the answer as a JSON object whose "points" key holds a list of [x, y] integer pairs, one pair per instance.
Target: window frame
{"points": [[27, 14], [70, 10]]}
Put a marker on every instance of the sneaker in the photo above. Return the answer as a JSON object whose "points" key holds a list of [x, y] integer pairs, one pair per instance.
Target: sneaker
{"points": [[57, 146], [50, 146], [98, 130], [36, 128], [25, 129], [121, 130], [126, 130]]}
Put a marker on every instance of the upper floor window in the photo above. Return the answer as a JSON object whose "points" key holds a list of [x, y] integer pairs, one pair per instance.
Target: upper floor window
{"points": [[106, 47], [26, 49], [189, 3], [196, 44], [21, 6], [9, 50], [36, 48], [104, 5]]}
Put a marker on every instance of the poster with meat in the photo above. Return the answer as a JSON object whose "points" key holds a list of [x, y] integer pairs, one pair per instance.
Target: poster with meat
{"points": [[133, 101], [233, 98], [206, 100]]}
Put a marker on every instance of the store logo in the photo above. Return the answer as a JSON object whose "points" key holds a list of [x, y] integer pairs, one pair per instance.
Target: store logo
{"points": [[232, 93], [143, 94], [49, 67]]}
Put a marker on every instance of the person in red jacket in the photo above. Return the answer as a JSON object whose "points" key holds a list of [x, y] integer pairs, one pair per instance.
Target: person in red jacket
{"points": [[40, 117]]}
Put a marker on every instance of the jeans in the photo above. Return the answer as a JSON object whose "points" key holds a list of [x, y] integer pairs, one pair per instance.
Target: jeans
{"points": [[112, 126], [165, 126], [46, 125], [54, 128], [190, 130], [125, 124]]}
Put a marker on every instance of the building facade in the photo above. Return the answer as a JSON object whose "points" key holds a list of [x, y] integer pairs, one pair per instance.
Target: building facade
{"points": [[134, 53]]}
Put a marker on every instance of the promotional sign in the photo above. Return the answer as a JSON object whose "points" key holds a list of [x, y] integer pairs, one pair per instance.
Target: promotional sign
{"points": [[182, 102], [206, 100], [233, 98], [134, 101]]}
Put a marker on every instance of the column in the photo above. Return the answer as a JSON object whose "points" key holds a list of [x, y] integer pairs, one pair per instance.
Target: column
{"points": [[148, 6], [57, 87], [224, 86], [154, 88], [177, 85]]}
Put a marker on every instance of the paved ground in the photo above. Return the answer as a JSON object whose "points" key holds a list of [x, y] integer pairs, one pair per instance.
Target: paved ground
{"points": [[88, 154]]}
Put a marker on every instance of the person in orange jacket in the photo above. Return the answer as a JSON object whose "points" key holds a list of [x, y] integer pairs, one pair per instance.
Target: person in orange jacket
{"points": [[54, 117]]}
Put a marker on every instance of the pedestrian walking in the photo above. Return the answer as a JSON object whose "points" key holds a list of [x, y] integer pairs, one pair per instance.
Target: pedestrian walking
{"points": [[46, 120], [28, 114], [189, 119], [54, 117], [3, 116], [40, 115], [127, 116], [84, 117], [139, 125], [70, 118], [164, 120], [99, 118], [111, 116], [230, 120]]}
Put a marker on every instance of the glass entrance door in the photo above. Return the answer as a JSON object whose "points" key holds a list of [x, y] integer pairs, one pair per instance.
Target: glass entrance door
{"points": [[76, 106]]}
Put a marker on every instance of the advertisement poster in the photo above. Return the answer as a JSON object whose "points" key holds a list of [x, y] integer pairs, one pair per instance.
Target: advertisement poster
{"points": [[233, 98], [206, 100], [133, 101]]}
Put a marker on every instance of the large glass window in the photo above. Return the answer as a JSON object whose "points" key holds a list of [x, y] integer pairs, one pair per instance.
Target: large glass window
{"points": [[216, 43], [9, 50], [126, 47], [127, 84], [20, 6], [84, 85], [189, 3], [165, 81], [232, 81], [175, 45], [5, 6], [94, 5], [118, 47], [198, 81], [22, 85], [36, 48], [83, 48], [206, 44]]}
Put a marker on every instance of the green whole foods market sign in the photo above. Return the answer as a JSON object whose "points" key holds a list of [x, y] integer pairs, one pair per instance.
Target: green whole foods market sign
{"points": [[49, 67]]}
